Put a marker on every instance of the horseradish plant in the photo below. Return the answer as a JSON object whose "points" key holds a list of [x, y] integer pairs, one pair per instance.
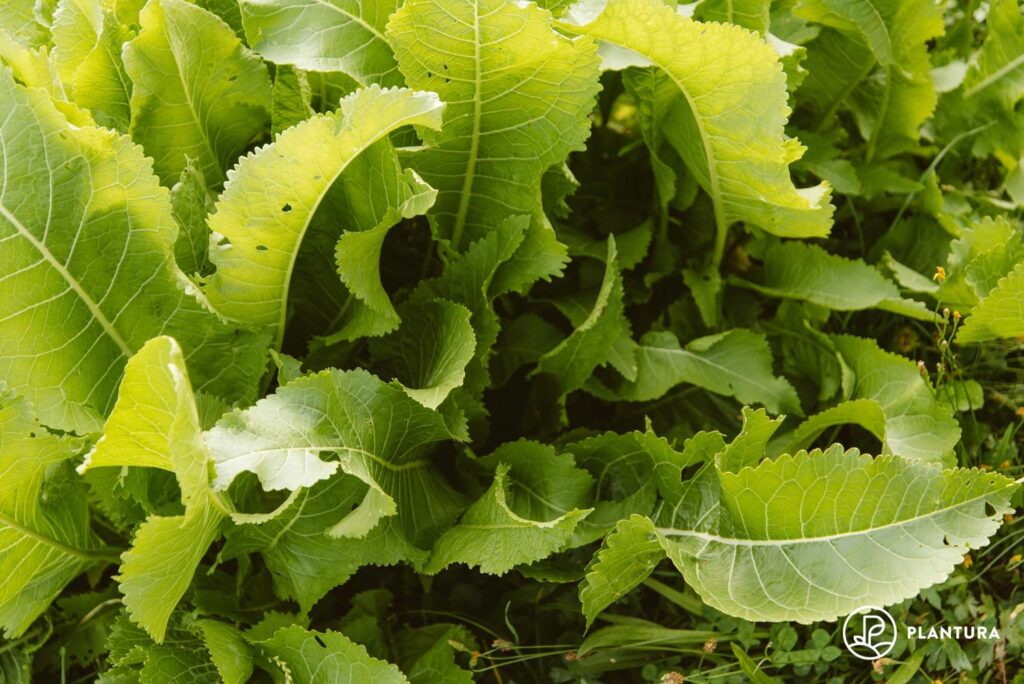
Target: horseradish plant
{"points": [[293, 288]]}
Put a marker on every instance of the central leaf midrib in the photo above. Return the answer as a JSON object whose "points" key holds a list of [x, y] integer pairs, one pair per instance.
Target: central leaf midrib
{"points": [[732, 541], [474, 144], [996, 75]]}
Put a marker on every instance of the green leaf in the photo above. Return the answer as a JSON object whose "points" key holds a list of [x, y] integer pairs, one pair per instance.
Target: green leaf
{"points": [[155, 424], [889, 103], [325, 35], [518, 96], [292, 99], [748, 447], [751, 14], [159, 567], [794, 270], [726, 109], [269, 203], [491, 536], [306, 562], [45, 540], [996, 71], [426, 654], [429, 352], [101, 83], [77, 310], [737, 363], [589, 345], [626, 558], [198, 92], [191, 204], [780, 541], [372, 427], [891, 400], [1000, 315], [326, 657], [20, 19], [228, 650], [357, 255]]}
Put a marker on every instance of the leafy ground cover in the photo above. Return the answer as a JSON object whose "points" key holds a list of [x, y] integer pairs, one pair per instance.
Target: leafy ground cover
{"points": [[449, 341]]}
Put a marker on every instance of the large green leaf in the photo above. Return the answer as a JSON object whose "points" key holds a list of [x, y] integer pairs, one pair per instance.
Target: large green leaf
{"points": [[325, 35], [518, 96], [198, 92], [731, 106], [45, 540], [817, 535], [272, 198], [76, 309]]}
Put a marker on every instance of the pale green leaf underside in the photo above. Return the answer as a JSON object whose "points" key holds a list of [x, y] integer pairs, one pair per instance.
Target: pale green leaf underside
{"points": [[273, 194], [816, 535], [325, 35], [728, 124]]}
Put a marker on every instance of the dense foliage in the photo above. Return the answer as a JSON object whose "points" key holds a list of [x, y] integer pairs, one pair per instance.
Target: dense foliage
{"points": [[450, 340]]}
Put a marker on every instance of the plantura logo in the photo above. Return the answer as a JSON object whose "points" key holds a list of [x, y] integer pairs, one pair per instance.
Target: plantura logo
{"points": [[869, 633]]}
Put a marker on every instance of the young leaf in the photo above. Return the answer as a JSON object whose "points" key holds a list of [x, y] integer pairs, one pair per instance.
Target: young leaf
{"points": [[784, 537], [325, 35], [518, 95], [590, 344], [626, 558], [493, 537], [198, 92], [273, 195]]}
